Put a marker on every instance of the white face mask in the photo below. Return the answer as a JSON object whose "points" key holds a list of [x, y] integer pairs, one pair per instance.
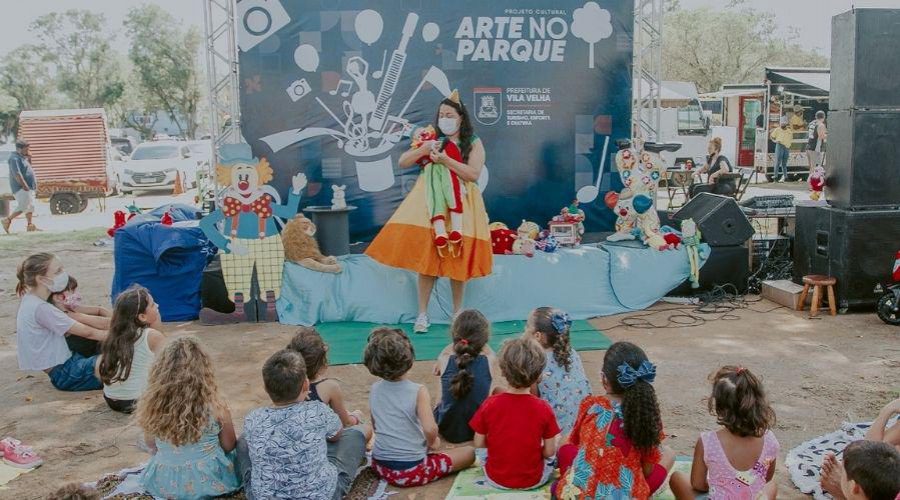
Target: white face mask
{"points": [[59, 282], [448, 125]]}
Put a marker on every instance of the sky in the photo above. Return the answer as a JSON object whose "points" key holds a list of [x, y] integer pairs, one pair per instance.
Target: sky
{"points": [[811, 17]]}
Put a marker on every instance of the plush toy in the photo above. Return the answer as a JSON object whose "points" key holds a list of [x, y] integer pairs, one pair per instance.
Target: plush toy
{"points": [[622, 205], [816, 183], [672, 240], [118, 221], [301, 247], [528, 229], [502, 240], [338, 200], [523, 246], [690, 238], [545, 242], [443, 193], [497, 225]]}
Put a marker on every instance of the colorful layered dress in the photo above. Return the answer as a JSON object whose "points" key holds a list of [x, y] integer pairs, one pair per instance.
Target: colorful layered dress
{"points": [[407, 240]]}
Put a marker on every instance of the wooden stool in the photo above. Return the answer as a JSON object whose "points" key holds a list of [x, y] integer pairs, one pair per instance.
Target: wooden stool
{"points": [[818, 281]]}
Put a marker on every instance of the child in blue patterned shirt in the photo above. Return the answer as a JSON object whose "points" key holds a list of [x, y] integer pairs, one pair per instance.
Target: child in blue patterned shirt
{"points": [[563, 383]]}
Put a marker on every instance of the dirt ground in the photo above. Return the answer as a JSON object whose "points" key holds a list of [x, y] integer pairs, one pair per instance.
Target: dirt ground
{"points": [[818, 372]]}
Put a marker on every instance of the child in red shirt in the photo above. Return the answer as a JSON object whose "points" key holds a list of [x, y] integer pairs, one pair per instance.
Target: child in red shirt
{"points": [[518, 429]]}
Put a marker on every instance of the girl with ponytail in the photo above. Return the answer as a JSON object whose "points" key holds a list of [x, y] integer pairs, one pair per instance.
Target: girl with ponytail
{"points": [[738, 459], [563, 384], [465, 368], [614, 449]]}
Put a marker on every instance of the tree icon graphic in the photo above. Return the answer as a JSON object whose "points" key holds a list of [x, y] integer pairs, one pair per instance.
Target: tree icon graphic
{"points": [[591, 24]]}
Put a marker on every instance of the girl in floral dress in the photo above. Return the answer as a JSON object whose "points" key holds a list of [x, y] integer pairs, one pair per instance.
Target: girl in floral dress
{"points": [[187, 426], [614, 450]]}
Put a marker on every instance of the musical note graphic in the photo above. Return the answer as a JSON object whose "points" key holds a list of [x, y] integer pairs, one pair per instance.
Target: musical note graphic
{"points": [[377, 74], [344, 87]]}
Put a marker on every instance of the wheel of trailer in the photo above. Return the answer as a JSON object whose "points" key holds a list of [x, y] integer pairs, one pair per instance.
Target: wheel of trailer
{"points": [[65, 203], [83, 203]]}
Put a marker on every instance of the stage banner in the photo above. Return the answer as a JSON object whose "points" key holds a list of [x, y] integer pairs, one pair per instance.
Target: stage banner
{"points": [[333, 89]]}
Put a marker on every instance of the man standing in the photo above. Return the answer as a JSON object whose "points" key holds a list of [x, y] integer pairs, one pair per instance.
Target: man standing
{"points": [[815, 146], [783, 137], [22, 185]]}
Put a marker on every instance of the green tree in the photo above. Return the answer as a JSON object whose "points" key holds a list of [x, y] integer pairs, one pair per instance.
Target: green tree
{"points": [[26, 77], [165, 54], [77, 43], [25, 83], [715, 47]]}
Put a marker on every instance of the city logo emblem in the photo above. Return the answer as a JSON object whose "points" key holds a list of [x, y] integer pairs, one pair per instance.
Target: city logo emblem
{"points": [[488, 102]]}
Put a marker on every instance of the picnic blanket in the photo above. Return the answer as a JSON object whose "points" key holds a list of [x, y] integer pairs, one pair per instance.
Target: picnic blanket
{"points": [[805, 461]]}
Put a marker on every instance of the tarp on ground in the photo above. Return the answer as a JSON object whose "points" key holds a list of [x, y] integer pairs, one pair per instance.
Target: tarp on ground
{"points": [[587, 282], [167, 260]]}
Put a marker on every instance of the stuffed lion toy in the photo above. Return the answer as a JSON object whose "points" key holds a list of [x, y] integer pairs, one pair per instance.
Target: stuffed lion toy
{"points": [[301, 248]]}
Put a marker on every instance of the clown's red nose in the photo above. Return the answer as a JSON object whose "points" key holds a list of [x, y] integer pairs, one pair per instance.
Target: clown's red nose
{"points": [[242, 185]]}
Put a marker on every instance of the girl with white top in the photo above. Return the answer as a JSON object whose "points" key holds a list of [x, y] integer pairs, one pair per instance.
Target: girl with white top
{"points": [[128, 352], [41, 328]]}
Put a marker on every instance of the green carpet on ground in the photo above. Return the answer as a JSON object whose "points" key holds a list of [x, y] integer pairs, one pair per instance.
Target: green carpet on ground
{"points": [[347, 340]]}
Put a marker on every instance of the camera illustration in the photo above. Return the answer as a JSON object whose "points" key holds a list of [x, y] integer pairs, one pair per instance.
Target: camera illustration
{"points": [[298, 89], [257, 20]]}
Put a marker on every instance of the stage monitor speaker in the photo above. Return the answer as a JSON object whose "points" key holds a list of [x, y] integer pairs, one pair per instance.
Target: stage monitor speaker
{"points": [[719, 218], [862, 159], [864, 57], [725, 266], [857, 248]]}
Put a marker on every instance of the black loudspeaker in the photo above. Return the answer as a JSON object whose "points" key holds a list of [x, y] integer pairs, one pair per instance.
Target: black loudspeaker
{"points": [[862, 159], [855, 247], [864, 55], [725, 266], [719, 218]]}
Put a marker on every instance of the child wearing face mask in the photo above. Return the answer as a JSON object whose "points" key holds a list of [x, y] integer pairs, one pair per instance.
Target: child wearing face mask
{"points": [[41, 328], [69, 302]]}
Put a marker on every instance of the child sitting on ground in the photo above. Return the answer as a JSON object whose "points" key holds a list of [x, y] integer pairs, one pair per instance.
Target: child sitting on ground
{"points": [[518, 429], [871, 471], [69, 302], [41, 328], [309, 344], [614, 449], [186, 425], [406, 435], [466, 375], [738, 460], [563, 384], [283, 452], [128, 351]]}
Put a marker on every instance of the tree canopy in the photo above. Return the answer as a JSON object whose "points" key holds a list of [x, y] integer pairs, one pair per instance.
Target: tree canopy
{"points": [[715, 47]]}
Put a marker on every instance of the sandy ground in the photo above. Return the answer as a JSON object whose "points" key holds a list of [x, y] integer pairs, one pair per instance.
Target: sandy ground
{"points": [[818, 372]]}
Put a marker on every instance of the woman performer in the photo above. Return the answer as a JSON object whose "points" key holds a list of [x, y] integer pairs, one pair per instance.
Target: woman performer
{"points": [[416, 236]]}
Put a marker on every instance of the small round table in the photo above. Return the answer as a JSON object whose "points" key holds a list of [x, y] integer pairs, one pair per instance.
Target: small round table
{"points": [[332, 228]]}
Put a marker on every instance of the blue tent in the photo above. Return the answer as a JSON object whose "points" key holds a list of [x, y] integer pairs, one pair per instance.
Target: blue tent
{"points": [[167, 260]]}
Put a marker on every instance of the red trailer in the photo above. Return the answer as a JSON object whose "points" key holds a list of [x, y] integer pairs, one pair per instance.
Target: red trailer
{"points": [[69, 154]]}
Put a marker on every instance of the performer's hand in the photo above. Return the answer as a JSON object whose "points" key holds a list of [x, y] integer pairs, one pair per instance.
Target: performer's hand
{"points": [[439, 157], [238, 248], [298, 182]]}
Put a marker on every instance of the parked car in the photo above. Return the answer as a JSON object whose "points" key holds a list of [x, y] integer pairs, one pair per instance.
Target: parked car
{"points": [[156, 165]]}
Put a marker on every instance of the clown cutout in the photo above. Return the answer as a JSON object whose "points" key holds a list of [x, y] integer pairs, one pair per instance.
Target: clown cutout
{"points": [[249, 236]]}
